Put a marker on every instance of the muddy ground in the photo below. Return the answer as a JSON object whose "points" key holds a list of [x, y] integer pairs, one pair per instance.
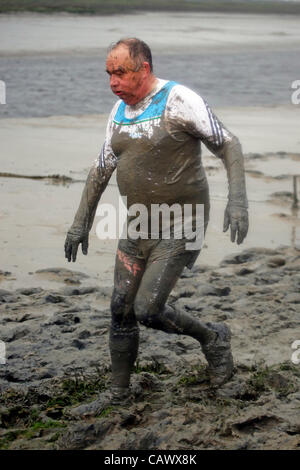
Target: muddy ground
{"points": [[57, 357]]}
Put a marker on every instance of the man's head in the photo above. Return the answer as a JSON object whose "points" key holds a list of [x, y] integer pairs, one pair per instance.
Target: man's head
{"points": [[129, 65]]}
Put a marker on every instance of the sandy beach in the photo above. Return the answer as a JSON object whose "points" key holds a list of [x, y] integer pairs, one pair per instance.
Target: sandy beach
{"points": [[54, 315]]}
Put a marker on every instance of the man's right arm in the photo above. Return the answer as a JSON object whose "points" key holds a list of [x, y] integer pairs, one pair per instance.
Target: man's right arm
{"points": [[97, 180], [96, 183]]}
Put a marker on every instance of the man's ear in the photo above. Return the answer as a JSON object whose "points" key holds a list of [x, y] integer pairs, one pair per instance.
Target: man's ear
{"points": [[146, 67]]}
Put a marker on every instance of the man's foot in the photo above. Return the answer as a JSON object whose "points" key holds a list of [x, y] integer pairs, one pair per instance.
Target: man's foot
{"points": [[218, 355], [115, 396]]}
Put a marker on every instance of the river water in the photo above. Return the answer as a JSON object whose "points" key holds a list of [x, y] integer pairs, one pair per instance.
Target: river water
{"points": [[75, 84], [55, 64]]}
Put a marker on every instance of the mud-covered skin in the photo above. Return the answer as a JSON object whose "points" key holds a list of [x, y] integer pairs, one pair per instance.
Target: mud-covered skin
{"points": [[128, 80]]}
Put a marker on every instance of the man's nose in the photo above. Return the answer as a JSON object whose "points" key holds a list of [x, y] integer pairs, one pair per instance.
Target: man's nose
{"points": [[114, 81]]}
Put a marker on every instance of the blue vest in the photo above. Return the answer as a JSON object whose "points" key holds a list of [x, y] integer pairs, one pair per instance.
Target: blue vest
{"points": [[153, 111]]}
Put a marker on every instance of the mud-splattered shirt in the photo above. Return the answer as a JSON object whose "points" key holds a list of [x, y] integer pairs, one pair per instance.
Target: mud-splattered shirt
{"points": [[156, 146], [185, 111]]}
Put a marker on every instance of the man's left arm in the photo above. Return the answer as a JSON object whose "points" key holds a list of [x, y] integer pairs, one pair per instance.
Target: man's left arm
{"points": [[236, 212], [227, 146], [202, 123]]}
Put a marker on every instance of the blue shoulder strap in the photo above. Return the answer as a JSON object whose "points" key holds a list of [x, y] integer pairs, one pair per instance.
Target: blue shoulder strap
{"points": [[153, 111]]}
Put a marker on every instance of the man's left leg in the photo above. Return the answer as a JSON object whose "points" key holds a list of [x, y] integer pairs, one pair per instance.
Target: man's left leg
{"points": [[150, 308]]}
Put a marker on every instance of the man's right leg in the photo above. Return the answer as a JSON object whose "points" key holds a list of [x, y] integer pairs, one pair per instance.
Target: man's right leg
{"points": [[123, 335], [124, 331]]}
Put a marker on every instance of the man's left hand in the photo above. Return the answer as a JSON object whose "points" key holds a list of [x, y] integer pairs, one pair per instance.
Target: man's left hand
{"points": [[237, 217]]}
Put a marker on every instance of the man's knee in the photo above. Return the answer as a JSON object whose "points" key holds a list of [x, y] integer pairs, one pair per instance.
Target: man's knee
{"points": [[122, 314], [145, 311], [117, 302], [118, 307]]}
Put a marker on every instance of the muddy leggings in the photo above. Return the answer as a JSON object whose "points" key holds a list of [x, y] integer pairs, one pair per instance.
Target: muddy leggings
{"points": [[141, 289]]}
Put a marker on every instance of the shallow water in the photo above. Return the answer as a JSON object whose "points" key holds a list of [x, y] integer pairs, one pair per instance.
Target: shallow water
{"points": [[55, 64], [75, 84]]}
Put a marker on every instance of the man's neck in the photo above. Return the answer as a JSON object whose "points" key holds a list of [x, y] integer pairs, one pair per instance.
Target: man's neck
{"points": [[146, 91], [151, 85]]}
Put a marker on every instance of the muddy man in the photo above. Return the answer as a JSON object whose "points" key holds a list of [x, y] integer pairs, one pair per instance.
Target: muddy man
{"points": [[153, 139]]}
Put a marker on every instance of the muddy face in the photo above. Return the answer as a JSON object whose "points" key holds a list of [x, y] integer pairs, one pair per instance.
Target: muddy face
{"points": [[128, 83]]}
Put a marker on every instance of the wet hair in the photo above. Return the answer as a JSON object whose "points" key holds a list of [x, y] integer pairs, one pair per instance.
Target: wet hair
{"points": [[139, 51]]}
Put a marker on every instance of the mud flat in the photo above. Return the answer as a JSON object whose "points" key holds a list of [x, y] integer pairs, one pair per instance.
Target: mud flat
{"points": [[30, 33], [57, 356], [35, 214]]}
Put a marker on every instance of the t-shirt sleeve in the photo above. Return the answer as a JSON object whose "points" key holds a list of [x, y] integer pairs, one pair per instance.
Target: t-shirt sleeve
{"points": [[195, 117]]}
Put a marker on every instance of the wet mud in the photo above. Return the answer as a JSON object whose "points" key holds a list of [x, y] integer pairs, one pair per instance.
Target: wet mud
{"points": [[57, 356], [54, 178]]}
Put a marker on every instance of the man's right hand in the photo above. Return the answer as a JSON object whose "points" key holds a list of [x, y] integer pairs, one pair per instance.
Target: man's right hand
{"points": [[73, 240]]}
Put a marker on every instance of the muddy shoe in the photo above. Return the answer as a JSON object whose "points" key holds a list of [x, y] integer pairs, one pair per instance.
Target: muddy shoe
{"points": [[115, 396], [218, 355]]}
